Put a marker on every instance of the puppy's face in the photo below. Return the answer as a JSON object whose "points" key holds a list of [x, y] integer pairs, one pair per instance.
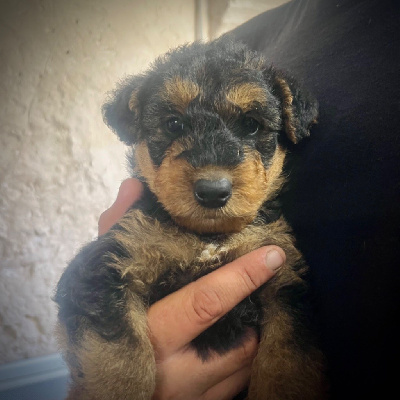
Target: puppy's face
{"points": [[208, 122]]}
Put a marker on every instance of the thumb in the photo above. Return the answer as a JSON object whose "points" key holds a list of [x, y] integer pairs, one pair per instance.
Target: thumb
{"points": [[178, 318], [129, 192]]}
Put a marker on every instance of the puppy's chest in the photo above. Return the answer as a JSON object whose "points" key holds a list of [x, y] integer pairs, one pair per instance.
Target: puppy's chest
{"points": [[206, 258], [230, 330], [163, 258]]}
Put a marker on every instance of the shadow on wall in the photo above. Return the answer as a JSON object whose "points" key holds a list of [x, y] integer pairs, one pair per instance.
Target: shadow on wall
{"points": [[42, 378]]}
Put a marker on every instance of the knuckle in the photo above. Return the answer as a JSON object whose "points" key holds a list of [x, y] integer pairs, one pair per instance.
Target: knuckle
{"points": [[102, 217], [164, 393], [102, 221], [207, 305], [250, 278], [247, 351]]}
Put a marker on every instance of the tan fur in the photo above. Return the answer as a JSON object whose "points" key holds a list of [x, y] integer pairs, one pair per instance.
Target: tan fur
{"points": [[279, 365], [144, 163], [166, 243], [287, 102], [252, 185], [180, 92], [173, 185], [106, 368], [246, 95], [133, 101], [152, 247]]}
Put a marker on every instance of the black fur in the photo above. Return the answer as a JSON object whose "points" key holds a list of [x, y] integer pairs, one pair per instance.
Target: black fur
{"points": [[91, 294]]}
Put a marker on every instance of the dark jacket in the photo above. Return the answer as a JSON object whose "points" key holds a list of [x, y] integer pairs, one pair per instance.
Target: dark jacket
{"points": [[344, 199]]}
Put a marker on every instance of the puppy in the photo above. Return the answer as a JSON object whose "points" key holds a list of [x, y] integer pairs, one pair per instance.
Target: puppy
{"points": [[209, 125]]}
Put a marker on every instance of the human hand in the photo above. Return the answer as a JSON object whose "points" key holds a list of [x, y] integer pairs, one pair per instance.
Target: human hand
{"points": [[177, 319]]}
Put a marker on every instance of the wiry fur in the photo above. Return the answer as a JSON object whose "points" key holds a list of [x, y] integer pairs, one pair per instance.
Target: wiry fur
{"points": [[216, 92]]}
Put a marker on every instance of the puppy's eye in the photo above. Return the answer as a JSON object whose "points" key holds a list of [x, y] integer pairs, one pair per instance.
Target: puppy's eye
{"points": [[175, 126], [250, 126]]}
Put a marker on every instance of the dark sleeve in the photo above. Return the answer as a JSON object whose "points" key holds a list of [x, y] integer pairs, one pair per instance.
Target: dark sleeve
{"points": [[344, 198]]}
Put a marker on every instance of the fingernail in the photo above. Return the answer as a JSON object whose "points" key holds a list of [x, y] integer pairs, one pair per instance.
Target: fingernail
{"points": [[274, 260]]}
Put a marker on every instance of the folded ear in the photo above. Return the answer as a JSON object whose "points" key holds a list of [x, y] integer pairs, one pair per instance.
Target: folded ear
{"points": [[299, 108], [121, 111]]}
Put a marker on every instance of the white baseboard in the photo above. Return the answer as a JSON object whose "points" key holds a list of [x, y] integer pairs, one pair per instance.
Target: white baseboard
{"points": [[40, 378]]}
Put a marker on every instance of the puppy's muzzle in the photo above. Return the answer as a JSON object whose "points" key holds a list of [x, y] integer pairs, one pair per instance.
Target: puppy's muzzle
{"points": [[212, 193]]}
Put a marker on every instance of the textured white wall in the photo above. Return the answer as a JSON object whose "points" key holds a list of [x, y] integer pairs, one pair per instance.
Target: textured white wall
{"points": [[60, 167]]}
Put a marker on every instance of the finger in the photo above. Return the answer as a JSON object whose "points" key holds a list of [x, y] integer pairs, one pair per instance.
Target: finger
{"points": [[172, 373], [178, 318], [129, 192], [219, 368], [229, 387]]}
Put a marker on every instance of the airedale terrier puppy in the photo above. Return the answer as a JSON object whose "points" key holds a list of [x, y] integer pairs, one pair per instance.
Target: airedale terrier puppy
{"points": [[210, 126]]}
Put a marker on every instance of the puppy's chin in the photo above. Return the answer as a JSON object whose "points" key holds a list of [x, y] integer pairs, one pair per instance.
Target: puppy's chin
{"points": [[214, 225]]}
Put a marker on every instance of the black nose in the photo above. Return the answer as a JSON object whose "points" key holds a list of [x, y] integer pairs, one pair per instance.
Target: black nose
{"points": [[212, 194]]}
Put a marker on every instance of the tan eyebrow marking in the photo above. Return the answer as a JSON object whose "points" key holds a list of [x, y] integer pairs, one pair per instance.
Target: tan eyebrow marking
{"points": [[180, 92], [246, 94]]}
